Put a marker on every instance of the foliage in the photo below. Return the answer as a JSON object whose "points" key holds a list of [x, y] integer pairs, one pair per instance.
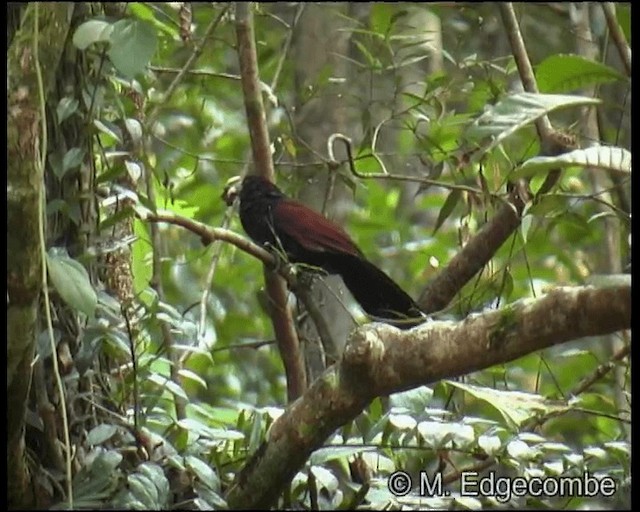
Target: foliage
{"points": [[462, 127]]}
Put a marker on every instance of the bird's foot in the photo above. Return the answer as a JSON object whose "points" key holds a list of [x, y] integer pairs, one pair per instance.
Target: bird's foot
{"points": [[280, 258]]}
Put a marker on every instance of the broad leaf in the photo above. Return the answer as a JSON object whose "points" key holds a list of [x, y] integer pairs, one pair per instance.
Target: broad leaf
{"points": [[564, 73], [517, 111], [133, 43], [92, 31], [599, 157], [71, 280]]}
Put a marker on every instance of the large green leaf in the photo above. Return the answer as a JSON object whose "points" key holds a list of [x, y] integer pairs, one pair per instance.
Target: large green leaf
{"points": [[92, 31], [516, 407], [564, 73], [133, 43], [71, 280]]}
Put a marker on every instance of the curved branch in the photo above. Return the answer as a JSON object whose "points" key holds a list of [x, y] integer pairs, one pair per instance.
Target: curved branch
{"points": [[380, 359], [209, 234]]}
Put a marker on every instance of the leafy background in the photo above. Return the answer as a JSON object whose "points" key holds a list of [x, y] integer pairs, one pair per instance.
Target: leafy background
{"points": [[185, 133]]}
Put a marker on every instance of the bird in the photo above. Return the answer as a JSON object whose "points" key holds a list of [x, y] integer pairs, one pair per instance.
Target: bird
{"points": [[271, 218]]}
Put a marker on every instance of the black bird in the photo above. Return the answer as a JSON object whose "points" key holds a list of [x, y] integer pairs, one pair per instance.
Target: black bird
{"points": [[270, 217]]}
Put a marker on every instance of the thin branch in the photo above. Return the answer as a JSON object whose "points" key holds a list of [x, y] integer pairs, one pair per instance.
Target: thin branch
{"points": [[287, 45], [601, 370], [386, 175], [197, 51], [288, 342], [519, 51], [209, 234], [617, 35], [40, 166], [194, 72]]}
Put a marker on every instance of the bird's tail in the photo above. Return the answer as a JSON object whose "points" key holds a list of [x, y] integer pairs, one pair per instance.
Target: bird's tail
{"points": [[377, 293]]}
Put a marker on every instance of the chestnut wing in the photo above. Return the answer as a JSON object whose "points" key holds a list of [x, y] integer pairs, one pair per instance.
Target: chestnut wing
{"points": [[311, 230]]}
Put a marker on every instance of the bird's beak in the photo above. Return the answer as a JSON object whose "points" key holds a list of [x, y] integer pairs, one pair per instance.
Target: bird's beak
{"points": [[231, 190]]}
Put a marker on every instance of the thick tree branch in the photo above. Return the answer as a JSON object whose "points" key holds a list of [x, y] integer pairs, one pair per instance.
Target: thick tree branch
{"points": [[473, 256], [380, 359], [481, 248]]}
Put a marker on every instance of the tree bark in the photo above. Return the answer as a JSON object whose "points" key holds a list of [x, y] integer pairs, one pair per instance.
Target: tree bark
{"points": [[24, 192], [380, 360]]}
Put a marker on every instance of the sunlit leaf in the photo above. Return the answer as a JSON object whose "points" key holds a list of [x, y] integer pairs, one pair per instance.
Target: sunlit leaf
{"points": [[563, 73], [517, 111], [92, 31]]}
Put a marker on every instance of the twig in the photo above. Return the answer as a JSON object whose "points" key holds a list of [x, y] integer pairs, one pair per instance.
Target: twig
{"points": [[195, 72], [281, 317], [525, 70], [617, 35], [209, 234], [197, 50], [287, 45], [386, 175], [601, 371]]}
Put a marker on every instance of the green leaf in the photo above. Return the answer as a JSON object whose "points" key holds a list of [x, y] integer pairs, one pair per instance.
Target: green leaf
{"points": [[525, 225], [490, 444], [143, 491], [609, 158], [112, 132], [44, 342], [517, 111], [516, 407], [101, 433], [438, 434], [218, 434], [92, 31], [549, 205], [66, 107], [71, 280], [144, 12], [106, 462], [325, 479], [202, 470], [188, 374], [72, 159], [447, 208], [155, 474], [564, 73], [133, 43], [134, 170], [173, 387], [382, 17], [412, 401], [521, 451], [623, 13]]}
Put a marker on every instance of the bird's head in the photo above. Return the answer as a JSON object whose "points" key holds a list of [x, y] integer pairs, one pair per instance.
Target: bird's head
{"points": [[231, 190], [249, 188]]}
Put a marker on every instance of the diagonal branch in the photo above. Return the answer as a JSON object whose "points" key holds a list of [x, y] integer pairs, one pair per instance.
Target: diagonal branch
{"points": [[380, 360], [481, 248]]}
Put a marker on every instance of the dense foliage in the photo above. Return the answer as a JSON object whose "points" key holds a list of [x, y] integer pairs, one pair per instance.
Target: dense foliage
{"points": [[174, 378]]}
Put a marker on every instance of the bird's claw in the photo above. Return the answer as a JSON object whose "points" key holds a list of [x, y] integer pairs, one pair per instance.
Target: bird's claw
{"points": [[280, 259]]}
